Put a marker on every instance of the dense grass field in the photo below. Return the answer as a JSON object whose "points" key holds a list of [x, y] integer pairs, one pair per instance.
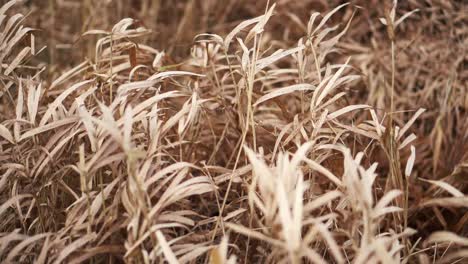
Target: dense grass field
{"points": [[236, 131]]}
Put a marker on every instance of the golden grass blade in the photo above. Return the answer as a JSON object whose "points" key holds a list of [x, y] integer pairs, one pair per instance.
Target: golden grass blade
{"points": [[5, 133], [410, 122], [456, 202], [258, 28], [50, 126], [13, 200], [6, 6], [315, 166], [264, 62], [407, 141], [447, 187], [41, 259], [72, 247], [330, 85], [251, 233], [170, 257], [58, 101], [410, 162], [34, 96], [69, 74], [448, 237], [345, 110], [328, 16], [334, 248], [384, 201], [21, 246], [284, 91], [239, 28], [17, 60], [322, 200]]}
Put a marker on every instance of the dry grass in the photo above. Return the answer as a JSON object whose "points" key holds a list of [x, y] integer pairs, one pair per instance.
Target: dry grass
{"points": [[292, 132]]}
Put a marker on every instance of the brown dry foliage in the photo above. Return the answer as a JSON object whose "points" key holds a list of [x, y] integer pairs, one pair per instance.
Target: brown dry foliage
{"points": [[233, 131]]}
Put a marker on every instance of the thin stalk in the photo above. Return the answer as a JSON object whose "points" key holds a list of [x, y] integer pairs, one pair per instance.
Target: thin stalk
{"points": [[111, 67]]}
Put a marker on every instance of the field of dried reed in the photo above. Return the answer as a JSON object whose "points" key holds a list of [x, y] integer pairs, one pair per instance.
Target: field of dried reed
{"points": [[205, 131]]}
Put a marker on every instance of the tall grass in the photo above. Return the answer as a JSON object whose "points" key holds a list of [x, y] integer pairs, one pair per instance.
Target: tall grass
{"points": [[283, 135]]}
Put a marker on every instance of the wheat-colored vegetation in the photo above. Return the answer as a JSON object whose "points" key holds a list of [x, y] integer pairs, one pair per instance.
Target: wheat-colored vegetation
{"points": [[233, 131]]}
